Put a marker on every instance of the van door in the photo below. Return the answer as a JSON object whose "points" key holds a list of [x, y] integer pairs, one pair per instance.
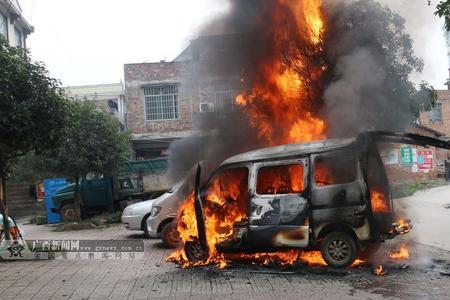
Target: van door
{"points": [[278, 209], [338, 190], [378, 183]]}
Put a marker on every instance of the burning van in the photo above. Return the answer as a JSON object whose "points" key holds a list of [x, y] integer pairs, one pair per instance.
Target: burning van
{"points": [[330, 195]]}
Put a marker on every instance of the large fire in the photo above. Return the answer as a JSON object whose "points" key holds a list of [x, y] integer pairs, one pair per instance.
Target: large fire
{"points": [[280, 101], [279, 104]]}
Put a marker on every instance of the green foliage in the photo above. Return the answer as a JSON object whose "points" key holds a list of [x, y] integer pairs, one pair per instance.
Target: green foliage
{"points": [[33, 167], [424, 99], [443, 11], [33, 107], [409, 189], [93, 143], [379, 60]]}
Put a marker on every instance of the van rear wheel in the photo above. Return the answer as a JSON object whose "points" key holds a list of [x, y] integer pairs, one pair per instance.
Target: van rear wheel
{"points": [[339, 250]]}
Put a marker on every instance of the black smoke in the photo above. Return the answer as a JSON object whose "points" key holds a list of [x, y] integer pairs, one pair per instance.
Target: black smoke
{"points": [[366, 86]]}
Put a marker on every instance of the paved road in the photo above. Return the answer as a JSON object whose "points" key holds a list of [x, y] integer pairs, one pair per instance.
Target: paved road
{"points": [[430, 213], [153, 278]]}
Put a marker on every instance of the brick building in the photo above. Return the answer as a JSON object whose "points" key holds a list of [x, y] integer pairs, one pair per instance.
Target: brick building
{"points": [[411, 163], [439, 117], [157, 113], [161, 109]]}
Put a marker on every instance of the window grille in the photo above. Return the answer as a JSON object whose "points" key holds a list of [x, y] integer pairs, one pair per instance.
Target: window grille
{"points": [[161, 102], [224, 100]]}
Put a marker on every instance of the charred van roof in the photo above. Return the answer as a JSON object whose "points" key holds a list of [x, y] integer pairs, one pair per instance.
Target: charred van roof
{"points": [[290, 150]]}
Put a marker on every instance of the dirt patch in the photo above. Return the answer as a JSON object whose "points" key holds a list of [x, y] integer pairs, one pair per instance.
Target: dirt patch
{"points": [[74, 226]]}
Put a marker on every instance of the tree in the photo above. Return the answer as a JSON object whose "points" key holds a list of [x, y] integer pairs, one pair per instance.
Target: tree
{"points": [[443, 11], [370, 59], [93, 143], [33, 112], [33, 167]]}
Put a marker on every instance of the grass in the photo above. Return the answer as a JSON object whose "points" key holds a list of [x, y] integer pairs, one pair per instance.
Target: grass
{"points": [[101, 221], [409, 189]]}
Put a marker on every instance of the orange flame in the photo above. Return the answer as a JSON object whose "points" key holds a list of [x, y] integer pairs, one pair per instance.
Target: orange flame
{"points": [[380, 271], [379, 202], [279, 102], [402, 253], [403, 227]]}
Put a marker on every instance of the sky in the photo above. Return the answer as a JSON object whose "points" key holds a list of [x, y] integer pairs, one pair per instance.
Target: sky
{"points": [[89, 41]]}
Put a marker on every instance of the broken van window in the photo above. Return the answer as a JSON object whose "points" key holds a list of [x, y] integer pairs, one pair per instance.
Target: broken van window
{"points": [[229, 189], [335, 170], [285, 179]]}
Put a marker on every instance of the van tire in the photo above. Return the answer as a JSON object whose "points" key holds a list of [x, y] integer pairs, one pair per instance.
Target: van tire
{"points": [[339, 249], [68, 213], [170, 236], [195, 252]]}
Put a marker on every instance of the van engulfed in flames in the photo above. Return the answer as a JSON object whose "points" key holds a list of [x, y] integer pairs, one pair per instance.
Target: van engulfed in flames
{"points": [[279, 105]]}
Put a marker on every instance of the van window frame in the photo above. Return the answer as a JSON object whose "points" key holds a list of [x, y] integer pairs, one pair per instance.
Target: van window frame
{"points": [[218, 171], [317, 156], [279, 162]]}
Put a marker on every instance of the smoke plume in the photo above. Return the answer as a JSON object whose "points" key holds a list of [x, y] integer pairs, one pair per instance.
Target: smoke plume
{"points": [[363, 83]]}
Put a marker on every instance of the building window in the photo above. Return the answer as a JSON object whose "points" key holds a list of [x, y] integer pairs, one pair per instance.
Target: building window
{"points": [[112, 104], [436, 113], [161, 102], [224, 100], [17, 38], [3, 24]]}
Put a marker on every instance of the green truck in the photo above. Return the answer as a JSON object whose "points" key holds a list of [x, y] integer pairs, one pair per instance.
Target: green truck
{"points": [[136, 181]]}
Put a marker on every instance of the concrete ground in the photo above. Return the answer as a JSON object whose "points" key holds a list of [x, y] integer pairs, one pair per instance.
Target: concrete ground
{"points": [[151, 277], [430, 213]]}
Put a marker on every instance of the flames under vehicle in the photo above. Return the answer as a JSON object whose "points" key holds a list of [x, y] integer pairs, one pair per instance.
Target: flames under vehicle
{"points": [[330, 195]]}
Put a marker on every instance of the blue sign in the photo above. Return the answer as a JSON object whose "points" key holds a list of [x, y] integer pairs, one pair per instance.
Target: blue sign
{"points": [[50, 188], [421, 160]]}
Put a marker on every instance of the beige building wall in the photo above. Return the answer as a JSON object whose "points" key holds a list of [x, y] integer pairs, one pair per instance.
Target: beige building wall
{"points": [[13, 25]]}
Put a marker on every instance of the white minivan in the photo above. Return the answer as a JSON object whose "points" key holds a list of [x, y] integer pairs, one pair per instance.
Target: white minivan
{"points": [[162, 220]]}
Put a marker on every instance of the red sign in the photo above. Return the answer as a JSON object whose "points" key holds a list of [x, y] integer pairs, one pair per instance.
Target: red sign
{"points": [[425, 160]]}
